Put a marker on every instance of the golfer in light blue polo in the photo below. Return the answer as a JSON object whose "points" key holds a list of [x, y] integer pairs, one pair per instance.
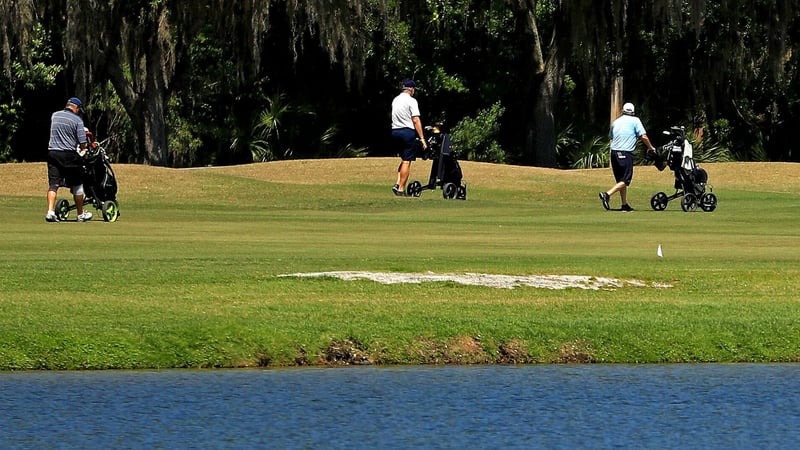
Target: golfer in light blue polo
{"points": [[624, 133]]}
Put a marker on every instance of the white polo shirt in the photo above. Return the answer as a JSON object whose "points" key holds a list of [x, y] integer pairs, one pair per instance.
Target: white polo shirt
{"points": [[404, 107]]}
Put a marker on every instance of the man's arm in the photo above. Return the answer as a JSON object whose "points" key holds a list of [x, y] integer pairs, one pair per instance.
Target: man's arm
{"points": [[418, 127], [646, 141], [80, 135]]}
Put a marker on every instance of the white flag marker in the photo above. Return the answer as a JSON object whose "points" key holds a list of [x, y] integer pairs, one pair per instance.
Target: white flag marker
{"points": [[659, 252]]}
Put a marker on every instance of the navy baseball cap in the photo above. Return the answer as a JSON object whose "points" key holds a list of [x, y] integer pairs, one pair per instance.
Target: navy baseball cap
{"points": [[75, 101], [409, 84]]}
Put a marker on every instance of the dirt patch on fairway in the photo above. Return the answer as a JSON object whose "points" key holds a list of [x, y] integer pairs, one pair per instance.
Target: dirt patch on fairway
{"points": [[487, 280]]}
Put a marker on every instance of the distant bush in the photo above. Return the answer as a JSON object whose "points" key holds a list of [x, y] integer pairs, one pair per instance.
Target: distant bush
{"points": [[475, 139], [591, 154]]}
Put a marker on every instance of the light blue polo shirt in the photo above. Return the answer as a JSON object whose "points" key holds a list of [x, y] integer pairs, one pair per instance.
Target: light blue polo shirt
{"points": [[624, 133]]}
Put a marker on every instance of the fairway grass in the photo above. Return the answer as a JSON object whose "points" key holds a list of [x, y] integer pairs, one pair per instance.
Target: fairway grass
{"points": [[190, 275]]}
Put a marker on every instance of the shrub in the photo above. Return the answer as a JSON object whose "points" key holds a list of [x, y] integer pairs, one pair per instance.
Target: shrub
{"points": [[591, 154], [476, 138]]}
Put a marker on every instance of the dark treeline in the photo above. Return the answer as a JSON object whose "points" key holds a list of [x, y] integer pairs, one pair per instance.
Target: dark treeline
{"points": [[520, 81]]}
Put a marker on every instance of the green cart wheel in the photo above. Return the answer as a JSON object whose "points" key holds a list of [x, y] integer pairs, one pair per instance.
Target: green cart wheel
{"points": [[110, 210]]}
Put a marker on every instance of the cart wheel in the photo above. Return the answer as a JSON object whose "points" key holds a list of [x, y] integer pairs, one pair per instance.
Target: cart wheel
{"points": [[689, 202], [659, 201], [449, 191], [708, 202], [62, 209], [462, 192], [110, 210], [414, 189]]}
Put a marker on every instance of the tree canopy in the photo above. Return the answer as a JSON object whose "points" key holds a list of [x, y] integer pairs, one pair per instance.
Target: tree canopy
{"points": [[211, 82]]}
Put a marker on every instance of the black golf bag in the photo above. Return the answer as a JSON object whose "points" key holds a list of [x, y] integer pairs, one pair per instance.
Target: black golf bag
{"points": [[445, 169]]}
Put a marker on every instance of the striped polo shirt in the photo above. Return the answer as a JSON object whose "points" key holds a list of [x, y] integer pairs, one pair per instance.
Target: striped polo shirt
{"points": [[66, 131]]}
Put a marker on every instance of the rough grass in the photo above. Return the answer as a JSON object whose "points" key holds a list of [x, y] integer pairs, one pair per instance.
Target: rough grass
{"points": [[30, 178], [188, 277]]}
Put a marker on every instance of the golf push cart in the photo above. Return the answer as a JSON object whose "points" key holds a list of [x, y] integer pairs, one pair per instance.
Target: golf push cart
{"points": [[690, 179], [445, 170], [99, 182]]}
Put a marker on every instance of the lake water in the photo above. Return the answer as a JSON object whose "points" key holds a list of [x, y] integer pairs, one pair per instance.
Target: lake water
{"points": [[581, 406]]}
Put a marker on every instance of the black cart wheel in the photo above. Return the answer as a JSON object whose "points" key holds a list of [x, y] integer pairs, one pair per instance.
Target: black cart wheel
{"points": [[659, 201], [708, 202], [689, 202], [62, 209], [414, 189], [110, 210], [449, 191], [462, 192]]}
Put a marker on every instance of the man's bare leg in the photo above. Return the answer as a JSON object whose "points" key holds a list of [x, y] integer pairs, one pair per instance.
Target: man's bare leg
{"points": [[402, 175]]}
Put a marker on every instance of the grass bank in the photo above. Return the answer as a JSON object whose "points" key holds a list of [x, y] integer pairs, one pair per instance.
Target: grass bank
{"points": [[189, 275]]}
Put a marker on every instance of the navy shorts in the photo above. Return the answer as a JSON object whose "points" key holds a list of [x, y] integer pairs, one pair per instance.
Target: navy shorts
{"points": [[622, 165], [64, 168], [404, 142]]}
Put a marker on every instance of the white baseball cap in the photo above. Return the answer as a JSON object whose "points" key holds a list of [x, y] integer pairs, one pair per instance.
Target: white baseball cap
{"points": [[627, 108]]}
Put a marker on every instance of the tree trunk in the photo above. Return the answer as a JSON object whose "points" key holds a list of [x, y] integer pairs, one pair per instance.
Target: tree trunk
{"points": [[146, 109], [543, 117], [616, 98], [155, 129], [539, 122], [140, 63], [155, 97]]}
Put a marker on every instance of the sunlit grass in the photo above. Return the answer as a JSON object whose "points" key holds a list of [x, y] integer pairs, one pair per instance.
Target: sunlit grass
{"points": [[188, 277]]}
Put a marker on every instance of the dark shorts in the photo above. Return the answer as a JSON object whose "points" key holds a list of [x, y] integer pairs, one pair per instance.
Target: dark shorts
{"points": [[405, 144], [64, 168], [622, 165]]}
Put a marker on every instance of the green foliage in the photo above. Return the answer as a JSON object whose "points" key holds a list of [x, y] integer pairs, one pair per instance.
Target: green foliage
{"points": [[446, 83], [284, 131], [741, 141], [183, 140], [9, 123], [565, 139], [328, 146], [33, 75], [267, 143], [721, 131], [200, 119], [591, 154], [708, 150], [466, 53], [119, 136], [581, 152], [476, 138]]}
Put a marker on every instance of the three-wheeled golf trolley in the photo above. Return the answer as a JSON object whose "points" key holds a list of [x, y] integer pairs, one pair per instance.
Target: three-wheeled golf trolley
{"points": [[691, 181], [445, 170], [99, 183]]}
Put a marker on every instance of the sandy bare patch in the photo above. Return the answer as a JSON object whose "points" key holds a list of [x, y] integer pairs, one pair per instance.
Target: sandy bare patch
{"points": [[487, 280]]}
